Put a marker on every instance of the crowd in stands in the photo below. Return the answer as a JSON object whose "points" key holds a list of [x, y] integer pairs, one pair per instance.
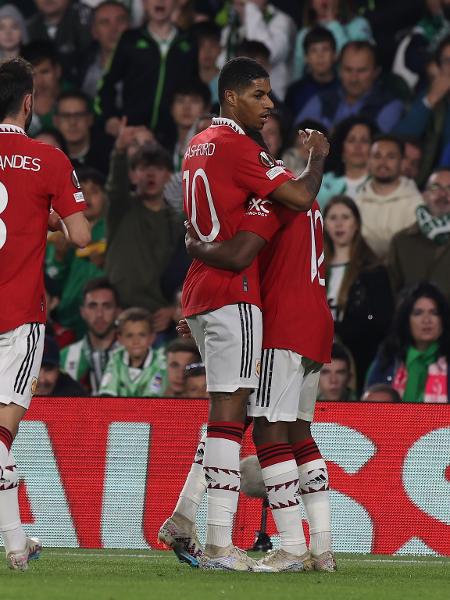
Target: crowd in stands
{"points": [[121, 86]]}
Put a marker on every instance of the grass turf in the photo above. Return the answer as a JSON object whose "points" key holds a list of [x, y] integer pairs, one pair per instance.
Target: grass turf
{"points": [[121, 575]]}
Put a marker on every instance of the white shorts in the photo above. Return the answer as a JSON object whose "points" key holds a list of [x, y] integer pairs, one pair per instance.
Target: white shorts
{"points": [[229, 340], [20, 360], [287, 389]]}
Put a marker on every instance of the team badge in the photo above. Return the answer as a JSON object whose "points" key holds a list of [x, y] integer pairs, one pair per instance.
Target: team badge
{"points": [[258, 367], [33, 386], [75, 181], [266, 160]]}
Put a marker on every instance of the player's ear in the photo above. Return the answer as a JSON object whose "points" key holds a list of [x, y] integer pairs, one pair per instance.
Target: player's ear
{"points": [[28, 103], [231, 97]]}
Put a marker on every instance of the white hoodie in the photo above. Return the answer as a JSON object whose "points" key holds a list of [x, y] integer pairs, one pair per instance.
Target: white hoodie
{"points": [[384, 216]]}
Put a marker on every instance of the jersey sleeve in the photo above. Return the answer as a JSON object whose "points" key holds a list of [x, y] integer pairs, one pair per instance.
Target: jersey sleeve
{"points": [[65, 191], [256, 171], [263, 217]]}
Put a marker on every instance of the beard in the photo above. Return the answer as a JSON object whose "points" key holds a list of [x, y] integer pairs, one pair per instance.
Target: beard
{"points": [[386, 179]]}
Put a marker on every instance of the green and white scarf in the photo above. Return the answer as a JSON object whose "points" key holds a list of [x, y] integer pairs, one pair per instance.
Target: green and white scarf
{"points": [[436, 229]]}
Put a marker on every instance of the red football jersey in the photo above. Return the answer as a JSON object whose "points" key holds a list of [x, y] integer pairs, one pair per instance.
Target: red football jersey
{"points": [[33, 177], [222, 167], [296, 315]]}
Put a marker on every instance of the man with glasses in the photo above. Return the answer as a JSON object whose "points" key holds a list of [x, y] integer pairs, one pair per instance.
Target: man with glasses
{"points": [[422, 251], [85, 146]]}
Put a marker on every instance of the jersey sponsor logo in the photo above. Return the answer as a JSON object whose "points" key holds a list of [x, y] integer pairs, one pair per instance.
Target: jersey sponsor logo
{"points": [[257, 206], [78, 196], [16, 161], [274, 172], [207, 149], [266, 160], [75, 181]]}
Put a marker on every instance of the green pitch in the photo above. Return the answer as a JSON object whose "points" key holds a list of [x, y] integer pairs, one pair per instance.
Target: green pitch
{"points": [[121, 575]]}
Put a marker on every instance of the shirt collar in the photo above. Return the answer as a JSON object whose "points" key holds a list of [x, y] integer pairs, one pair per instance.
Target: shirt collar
{"points": [[8, 128], [219, 121]]}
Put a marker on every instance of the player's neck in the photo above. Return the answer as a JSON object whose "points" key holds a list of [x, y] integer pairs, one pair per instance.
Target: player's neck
{"points": [[16, 121], [101, 343], [227, 114]]}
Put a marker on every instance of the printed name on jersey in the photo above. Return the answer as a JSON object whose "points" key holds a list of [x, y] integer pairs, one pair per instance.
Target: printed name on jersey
{"points": [[16, 161], [207, 149], [266, 160], [257, 206], [78, 197], [75, 181], [274, 172]]}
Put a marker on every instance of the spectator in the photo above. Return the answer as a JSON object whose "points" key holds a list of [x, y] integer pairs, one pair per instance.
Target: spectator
{"points": [[422, 251], [347, 165], [180, 353], [60, 334], [52, 137], [412, 157], [338, 17], [272, 134], [137, 369], [144, 233], [320, 57], [195, 381], [189, 102], [361, 92], [260, 21], [414, 358], [13, 32], [428, 118], [381, 392], [149, 63], [65, 23], [334, 383], [110, 19], [208, 41], [74, 120], [388, 201], [86, 360], [52, 380], [47, 83], [358, 288], [295, 157], [71, 268]]}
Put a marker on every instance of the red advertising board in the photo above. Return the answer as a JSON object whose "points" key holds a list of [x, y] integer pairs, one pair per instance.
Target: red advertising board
{"points": [[104, 472]]}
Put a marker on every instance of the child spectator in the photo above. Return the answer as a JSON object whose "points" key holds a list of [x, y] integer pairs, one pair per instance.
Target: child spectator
{"points": [[320, 76], [272, 134], [180, 353], [136, 369], [208, 42], [334, 383], [72, 267], [13, 32], [195, 381]]}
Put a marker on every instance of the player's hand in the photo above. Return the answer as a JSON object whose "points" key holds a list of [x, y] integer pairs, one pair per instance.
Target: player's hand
{"points": [[183, 329], [162, 318], [191, 240], [62, 245], [54, 221], [314, 142]]}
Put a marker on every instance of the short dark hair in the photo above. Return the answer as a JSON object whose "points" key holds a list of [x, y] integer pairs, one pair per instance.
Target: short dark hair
{"points": [[195, 88], [340, 352], [390, 137], [318, 35], [91, 174], [16, 81], [183, 345], [100, 283], [74, 95], [38, 51], [134, 315], [385, 388], [110, 3], [151, 155], [358, 46], [238, 73], [412, 141], [206, 30], [253, 49]]}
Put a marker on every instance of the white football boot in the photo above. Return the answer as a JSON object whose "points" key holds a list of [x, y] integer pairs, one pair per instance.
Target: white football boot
{"points": [[228, 559], [279, 561], [182, 540], [324, 562], [18, 561]]}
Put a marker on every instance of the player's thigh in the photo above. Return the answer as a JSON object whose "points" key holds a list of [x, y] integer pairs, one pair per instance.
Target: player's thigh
{"points": [[277, 398], [308, 391], [229, 340], [20, 360]]}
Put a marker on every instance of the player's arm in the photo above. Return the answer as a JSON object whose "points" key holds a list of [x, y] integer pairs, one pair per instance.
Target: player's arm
{"points": [[299, 194], [235, 254], [78, 229]]}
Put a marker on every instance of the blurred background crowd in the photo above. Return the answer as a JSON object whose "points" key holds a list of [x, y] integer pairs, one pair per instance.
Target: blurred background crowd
{"points": [[122, 86]]}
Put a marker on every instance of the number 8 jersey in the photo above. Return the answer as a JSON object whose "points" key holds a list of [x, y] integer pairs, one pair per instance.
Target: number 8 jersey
{"points": [[222, 168]]}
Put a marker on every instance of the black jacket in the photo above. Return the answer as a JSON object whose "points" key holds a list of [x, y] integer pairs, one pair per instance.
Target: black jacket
{"points": [[68, 387], [367, 317], [148, 80]]}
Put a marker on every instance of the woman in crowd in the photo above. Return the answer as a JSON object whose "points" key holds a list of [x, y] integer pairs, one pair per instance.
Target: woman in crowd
{"points": [[346, 168], [414, 358], [358, 287]]}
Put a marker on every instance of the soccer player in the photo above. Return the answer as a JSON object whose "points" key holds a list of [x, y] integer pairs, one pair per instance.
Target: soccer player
{"points": [[33, 178], [222, 167]]}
